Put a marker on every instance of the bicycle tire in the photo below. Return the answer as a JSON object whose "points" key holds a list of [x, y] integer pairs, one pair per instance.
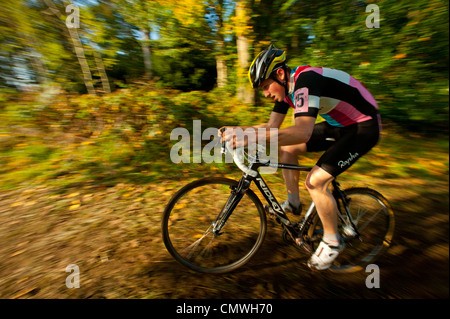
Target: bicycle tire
{"points": [[191, 212], [373, 241]]}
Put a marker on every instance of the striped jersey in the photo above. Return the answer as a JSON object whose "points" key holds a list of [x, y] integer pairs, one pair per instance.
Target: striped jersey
{"points": [[333, 94]]}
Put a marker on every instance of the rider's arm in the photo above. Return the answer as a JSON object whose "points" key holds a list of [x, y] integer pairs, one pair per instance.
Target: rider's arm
{"points": [[275, 121], [297, 134]]}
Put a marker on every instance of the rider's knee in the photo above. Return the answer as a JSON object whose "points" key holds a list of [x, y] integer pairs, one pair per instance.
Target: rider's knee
{"points": [[311, 183], [316, 182]]}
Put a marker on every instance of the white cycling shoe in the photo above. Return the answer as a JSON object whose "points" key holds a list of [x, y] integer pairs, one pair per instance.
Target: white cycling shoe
{"points": [[324, 255]]}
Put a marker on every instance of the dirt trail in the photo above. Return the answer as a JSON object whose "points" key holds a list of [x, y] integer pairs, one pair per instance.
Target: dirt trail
{"points": [[113, 235]]}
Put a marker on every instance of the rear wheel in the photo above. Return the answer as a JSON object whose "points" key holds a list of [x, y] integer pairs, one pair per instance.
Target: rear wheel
{"points": [[374, 220], [191, 217]]}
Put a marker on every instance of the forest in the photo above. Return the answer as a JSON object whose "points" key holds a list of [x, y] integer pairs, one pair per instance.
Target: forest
{"points": [[91, 90], [97, 47]]}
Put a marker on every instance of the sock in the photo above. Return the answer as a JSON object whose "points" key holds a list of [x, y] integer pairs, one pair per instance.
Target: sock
{"points": [[331, 239], [294, 199]]}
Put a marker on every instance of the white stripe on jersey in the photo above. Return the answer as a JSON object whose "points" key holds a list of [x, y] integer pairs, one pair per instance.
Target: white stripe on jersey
{"points": [[337, 75], [314, 101]]}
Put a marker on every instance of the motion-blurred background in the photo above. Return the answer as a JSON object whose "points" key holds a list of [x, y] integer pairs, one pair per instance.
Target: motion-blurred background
{"points": [[90, 92]]}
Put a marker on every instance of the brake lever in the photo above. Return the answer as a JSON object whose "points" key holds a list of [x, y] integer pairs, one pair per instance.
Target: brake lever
{"points": [[223, 148]]}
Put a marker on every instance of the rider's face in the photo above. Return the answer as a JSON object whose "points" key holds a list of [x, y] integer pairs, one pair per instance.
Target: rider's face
{"points": [[272, 89]]}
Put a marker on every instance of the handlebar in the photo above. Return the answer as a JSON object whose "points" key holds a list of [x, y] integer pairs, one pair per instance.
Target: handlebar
{"points": [[238, 156]]}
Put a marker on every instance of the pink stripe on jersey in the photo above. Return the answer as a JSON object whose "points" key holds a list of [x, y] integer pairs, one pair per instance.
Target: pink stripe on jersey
{"points": [[308, 68], [345, 114], [364, 92]]}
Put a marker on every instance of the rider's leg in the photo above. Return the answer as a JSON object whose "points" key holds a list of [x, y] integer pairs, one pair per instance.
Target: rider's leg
{"points": [[317, 184], [289, 155], [330, 247]]}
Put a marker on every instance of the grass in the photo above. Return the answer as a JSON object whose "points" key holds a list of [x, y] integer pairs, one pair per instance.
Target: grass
{"points": [[125, 136], [33, 159]]}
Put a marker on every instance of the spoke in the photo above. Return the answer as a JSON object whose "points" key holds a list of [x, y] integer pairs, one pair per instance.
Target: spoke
{"points": [[370, 219], [206, 249], [361, 211], [360, 214], [188, 251]]}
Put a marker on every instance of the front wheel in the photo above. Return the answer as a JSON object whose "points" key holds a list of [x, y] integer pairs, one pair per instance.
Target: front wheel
{"points": [[373, 217], [191, 219]]}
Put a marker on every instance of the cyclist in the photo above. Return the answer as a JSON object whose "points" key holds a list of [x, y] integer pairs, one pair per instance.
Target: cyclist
{"points": [[351, 128]]}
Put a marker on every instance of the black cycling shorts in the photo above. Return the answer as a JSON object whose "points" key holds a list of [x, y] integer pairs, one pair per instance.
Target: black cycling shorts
{"points": [[342, 145]]}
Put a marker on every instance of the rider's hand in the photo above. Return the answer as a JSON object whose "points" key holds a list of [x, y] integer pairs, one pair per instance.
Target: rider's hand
{"points": [[221, 133], [237, 136]]}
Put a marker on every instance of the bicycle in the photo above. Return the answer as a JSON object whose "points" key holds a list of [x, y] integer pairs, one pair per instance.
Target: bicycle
{"points": [[216, 224]]}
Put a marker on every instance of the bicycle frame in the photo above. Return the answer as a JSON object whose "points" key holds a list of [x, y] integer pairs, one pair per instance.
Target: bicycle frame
{"points": [[267, 193], [281, 216]]}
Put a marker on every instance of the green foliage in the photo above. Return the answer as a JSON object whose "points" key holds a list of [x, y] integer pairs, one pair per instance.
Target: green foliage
{"points": [[127, 135], [404, 63], [185, 69]]}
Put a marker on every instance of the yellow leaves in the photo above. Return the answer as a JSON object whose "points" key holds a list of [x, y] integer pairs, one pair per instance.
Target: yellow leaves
{"points": [[180, 206], [30, 203], [72, 195], [17, 252], [188, 12], [16, 204], [165, 190], [152, 93], [365, 63], [75, 204], [24, 204], [24, 292], [242, 19], [87, 197], [400, 56], [424, 39]]}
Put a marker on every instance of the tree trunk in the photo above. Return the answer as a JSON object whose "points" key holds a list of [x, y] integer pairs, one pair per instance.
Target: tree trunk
{"points": [[221, 65], [78, 48], [38, 67], [245, 92], [79, 51], [222, 71], [102, 71], [146, 54]]}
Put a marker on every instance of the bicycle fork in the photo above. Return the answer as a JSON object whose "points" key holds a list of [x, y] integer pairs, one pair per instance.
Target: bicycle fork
{"points": [[237, 192]]}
